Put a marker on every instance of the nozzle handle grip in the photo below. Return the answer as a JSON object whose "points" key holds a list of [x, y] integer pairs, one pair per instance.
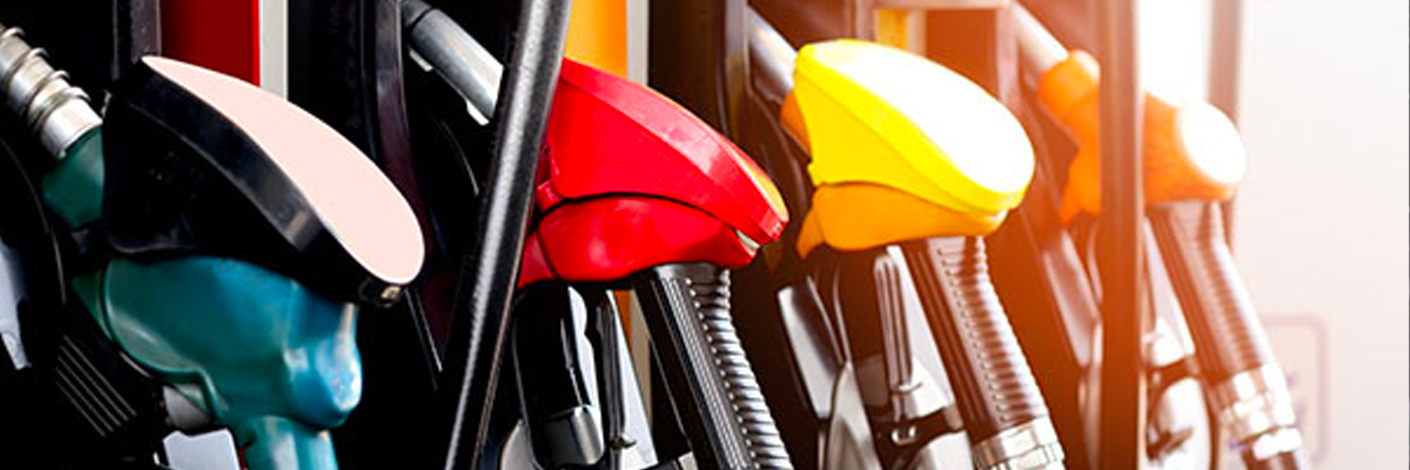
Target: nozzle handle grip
{"points": [[688, 315], [1228, 336], [1230, 342], [995, 390]]}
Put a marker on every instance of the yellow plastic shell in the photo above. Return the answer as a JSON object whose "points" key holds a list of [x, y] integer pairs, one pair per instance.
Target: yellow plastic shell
{"points": [[878, 115]]}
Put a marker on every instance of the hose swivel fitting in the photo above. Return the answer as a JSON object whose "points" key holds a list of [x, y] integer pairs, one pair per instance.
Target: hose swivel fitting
{"points": [[1258, 409], [56, 111], [1029, 446]]}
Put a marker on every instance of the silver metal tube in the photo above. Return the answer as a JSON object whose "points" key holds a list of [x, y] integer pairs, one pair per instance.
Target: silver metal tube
{"points": [[1038, 48], [42, 96], [772, 58], [470, 69]]}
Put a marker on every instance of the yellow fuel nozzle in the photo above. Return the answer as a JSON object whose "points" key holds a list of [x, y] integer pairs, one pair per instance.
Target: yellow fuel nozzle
{"points": [[879, 115], [902, 148]]}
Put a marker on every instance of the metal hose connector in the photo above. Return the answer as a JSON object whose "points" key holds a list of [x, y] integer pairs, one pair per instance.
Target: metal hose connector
{"points": [[1028, 446], [712, 305], [56, 111], [1256, 403]]}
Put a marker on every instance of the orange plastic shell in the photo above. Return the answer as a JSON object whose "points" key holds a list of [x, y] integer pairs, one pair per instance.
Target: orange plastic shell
{"points": [[597, 34], [792, 118], [851, 217], [892, 28], [1069, 92]]}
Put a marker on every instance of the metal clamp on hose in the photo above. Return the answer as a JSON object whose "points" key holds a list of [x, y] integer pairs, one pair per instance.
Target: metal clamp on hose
{"points": [[1031, 445], [1255, 403], [42, 96]]}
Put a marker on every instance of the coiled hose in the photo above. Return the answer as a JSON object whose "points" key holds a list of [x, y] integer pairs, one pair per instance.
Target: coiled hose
{"points": [[688, 311]]}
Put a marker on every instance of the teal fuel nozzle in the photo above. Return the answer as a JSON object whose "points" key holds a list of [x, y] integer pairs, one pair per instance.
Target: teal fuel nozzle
{"points": [[235, 238], [259, 352]]}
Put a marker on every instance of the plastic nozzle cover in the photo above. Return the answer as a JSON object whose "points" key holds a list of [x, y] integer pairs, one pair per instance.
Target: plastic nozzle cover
{"points": [[1191, 150], [880, 115]]}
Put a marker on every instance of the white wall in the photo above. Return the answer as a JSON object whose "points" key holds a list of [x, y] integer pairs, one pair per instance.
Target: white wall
{"points": [[1323, 218]]}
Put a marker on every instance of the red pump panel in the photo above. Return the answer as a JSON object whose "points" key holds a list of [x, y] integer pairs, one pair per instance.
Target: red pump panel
{"points": [[218, 35], [631, 180]]}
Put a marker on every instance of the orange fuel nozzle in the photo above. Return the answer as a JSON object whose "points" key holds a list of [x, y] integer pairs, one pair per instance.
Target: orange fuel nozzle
{"points": [[1191, 150]]}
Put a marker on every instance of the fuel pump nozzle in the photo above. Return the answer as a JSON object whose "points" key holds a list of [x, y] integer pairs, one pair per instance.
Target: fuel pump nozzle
{"points": [[907, 153], [1194, 159], [226, 241]]}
